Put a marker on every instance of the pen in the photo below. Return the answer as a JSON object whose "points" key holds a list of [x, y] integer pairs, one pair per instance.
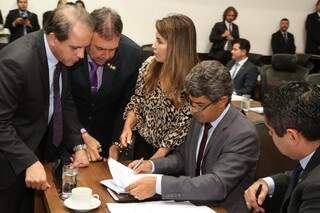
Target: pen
{"points": [[258, 191], [138, 164]]}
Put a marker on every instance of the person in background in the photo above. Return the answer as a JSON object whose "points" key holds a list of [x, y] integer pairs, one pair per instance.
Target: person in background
{"points": [[21, 21], [1, 20], [222, 35], [217, 161], [80, 3], [243, 72], [292, 116], [37, 114], [282, 41], [48, 15], [313, 31], [103, 82], [158, 111]]}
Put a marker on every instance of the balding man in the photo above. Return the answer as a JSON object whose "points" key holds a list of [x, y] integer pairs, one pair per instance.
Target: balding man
{"points": [[37, 116]]}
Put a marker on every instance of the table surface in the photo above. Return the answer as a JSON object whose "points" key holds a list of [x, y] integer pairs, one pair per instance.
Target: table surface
{"points": [[90, 177]]}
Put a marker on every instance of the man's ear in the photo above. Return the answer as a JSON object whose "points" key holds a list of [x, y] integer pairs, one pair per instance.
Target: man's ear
{"points": [[294, 136], [52, 39]]}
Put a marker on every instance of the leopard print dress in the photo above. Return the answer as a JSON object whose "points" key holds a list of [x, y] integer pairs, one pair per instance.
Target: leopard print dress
{"points": [[159, 122]]}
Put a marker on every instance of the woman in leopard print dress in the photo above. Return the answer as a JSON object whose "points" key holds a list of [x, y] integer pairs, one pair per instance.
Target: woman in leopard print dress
{"points": [[158, 111]]}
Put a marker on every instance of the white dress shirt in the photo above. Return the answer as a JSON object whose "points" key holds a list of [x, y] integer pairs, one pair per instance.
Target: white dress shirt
{"points": [[235, 69]]}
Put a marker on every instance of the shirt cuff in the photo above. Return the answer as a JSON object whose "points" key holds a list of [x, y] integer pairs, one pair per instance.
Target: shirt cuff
{"points": [[270, 183], [158, 184], [152, 166]]}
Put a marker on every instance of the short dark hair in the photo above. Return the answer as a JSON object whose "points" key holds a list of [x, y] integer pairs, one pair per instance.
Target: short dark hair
{"points": [[107, 22], [63, 20], [210, 79], [294, 105], [318, 2], [244, 44], [285, 19], [227, 10]]}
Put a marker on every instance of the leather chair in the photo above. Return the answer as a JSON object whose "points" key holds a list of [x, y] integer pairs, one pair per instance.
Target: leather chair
{"points": [[147, 51], [255, 59], [304, 60], [283, 68], [271, 161], [314, 78]]}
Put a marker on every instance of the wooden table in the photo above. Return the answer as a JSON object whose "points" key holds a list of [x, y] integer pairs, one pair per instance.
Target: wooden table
{"points": [[90, 177], [252, 116]]}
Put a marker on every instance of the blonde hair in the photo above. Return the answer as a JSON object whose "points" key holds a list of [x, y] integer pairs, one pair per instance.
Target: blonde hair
{"points": [[180, 34]]}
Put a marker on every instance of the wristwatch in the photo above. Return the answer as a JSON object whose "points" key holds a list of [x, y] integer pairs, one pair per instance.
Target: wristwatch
{"points": [[79, 147]]}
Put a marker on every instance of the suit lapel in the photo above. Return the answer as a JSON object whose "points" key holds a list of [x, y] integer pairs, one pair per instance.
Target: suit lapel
{"points": [[110, 70], [44, 69], [241, 70], [217, 134]]}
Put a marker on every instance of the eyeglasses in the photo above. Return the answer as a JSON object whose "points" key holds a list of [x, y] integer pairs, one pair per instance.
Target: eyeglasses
{"points": [[197, 108]]}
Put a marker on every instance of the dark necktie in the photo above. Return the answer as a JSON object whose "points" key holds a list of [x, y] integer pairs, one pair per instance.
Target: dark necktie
{"points": [[93, 77], [57, 123], [295, 177], [203, 142]]}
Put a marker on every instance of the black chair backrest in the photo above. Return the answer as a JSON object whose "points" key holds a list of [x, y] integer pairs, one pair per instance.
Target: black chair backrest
{"points": [[314, 78]]}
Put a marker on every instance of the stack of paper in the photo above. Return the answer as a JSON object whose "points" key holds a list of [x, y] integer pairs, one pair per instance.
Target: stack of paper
{"points": [[157, 207], [122, 176]]}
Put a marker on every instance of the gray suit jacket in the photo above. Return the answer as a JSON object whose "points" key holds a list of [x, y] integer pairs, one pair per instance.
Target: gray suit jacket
{"points": [[228, 166], [246, 78]]}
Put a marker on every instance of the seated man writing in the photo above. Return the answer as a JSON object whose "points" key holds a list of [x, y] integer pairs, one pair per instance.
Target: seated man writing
{"points": [[217, 161]]}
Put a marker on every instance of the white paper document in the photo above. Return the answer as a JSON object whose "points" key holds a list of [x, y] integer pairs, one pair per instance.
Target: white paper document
{"points": [[157, 207], [122, 176], [256, 109]]}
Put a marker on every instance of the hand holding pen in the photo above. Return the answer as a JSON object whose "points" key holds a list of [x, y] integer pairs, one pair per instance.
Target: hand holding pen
{"points": [[141, 166], [255, 195]]}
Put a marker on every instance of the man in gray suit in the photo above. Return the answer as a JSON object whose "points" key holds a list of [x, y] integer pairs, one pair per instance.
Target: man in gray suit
{"points": [[218, 159]]}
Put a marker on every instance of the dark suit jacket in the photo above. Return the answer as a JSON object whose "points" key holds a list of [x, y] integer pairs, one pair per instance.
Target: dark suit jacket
{"points": [[24, 106], [101, 115], [279, 45], [313, 32], [305, 197], [228, 166], [1, 20], [216, 38], [17, 31], [246, 78]]}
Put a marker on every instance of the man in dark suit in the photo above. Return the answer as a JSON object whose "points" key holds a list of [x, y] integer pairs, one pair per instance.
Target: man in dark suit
{"points": [[21, 21], [243, 72], [35, 122], [1, 20], [218, 159], [313, 31], [103, 82], [282, 41], [293, 118], [222, 35]]}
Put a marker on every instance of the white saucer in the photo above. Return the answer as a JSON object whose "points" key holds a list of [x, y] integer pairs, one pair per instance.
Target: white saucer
{"points": [[82, 207]]}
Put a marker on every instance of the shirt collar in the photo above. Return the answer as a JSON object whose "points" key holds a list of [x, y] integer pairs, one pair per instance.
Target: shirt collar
{"points": [[216, 122], [318, 14], [241, 62], [304, 161], [227, 23], [52, 60]]}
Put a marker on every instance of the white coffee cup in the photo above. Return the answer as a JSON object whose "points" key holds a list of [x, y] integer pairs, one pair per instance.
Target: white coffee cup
{"points": [[82, 195]]}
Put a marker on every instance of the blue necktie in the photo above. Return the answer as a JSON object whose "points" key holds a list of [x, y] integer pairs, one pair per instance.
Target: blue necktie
{"points": [[93, 77]]}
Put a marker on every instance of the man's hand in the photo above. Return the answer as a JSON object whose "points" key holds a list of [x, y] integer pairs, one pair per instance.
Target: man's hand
{"points": [[18, 21], [254, 202], [80, 159], [143, 188], [36, 177], [145, 166], [93, 147], [27, 22], [114, 151]]}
